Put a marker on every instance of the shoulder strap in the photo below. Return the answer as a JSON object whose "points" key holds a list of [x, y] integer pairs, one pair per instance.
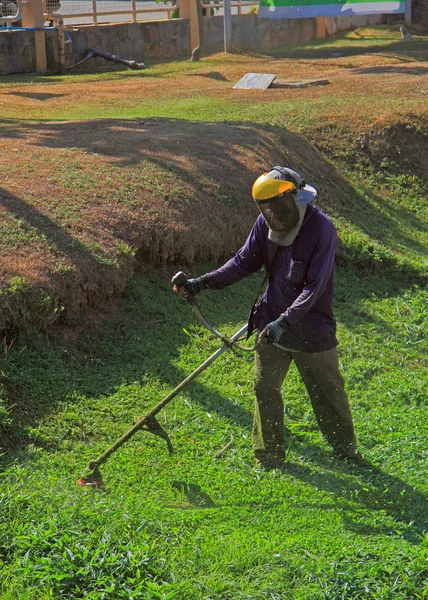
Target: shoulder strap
{"points": [[269, 273], [276, 258], [300, 249]]}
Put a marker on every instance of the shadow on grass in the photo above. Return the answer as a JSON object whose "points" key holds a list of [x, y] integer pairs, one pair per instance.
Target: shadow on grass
{"points": [[46, 227], [137, 343], [401, 49], [167, 144], [37, 95], [394, 69], [107, 360], [368, 485], [195, 496]]}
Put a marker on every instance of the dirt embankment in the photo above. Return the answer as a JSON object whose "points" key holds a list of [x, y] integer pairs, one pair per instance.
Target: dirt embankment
{"points": [[84, 204]]}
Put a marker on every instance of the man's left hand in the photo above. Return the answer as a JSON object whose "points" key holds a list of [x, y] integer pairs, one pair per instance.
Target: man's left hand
{"points": [[273, 331]]}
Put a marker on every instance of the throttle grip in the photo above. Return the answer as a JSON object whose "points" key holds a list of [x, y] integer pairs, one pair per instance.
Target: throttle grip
{"points": [[179, 279]]}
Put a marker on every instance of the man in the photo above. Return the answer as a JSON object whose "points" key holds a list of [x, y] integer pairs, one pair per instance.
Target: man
{"points": [[296, 243]]}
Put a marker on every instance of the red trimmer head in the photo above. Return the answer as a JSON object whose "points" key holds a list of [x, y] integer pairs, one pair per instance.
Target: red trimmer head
{"points": [[94, 480]]}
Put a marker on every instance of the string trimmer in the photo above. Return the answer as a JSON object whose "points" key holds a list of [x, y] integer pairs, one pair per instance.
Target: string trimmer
{"points": [[92, 475]]}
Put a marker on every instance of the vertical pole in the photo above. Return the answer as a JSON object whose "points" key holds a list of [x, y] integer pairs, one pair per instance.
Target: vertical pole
{"points": [[94, 12], [188, 11], [408, 13], [227, 8], [321, 29], [61, 44], [32, 16], [134, 11]]}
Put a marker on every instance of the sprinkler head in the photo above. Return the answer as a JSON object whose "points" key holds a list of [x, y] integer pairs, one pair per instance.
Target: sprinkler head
{"points": [[93, 480]]}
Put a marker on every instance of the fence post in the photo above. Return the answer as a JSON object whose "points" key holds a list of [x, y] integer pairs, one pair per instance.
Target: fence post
{"points": [[32, 16], [188, 11]]}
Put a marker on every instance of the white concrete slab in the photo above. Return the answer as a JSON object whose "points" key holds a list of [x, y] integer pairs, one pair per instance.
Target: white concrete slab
{"points": [[254, 81]]}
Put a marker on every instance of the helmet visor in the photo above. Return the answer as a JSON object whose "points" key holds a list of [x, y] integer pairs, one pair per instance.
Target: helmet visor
{"points": [[280, 212]]}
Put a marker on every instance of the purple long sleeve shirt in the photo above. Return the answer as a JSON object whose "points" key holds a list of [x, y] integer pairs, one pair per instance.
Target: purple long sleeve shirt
{"points": [[301, 285]]}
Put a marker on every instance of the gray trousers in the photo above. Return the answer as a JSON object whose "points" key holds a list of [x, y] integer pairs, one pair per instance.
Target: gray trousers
{"points": [[325, 386]]}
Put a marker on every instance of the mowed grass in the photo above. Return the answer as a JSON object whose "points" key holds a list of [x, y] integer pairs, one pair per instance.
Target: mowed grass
{"points": [[205, 89], [187, 526]]}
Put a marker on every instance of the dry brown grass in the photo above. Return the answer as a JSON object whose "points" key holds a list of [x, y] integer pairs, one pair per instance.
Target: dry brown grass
{"points": [[76, 195]]}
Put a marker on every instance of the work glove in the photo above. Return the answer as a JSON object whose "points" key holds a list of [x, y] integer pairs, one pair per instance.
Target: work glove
{"points": [[194, 286], [273, 331]]}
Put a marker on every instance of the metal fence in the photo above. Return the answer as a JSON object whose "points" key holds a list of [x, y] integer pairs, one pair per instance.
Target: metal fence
{"points": [[10, 11], [94, 12], [239, 7]]}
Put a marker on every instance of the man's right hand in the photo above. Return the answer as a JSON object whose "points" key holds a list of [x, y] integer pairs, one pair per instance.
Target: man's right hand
{"points": [[191, 286]]}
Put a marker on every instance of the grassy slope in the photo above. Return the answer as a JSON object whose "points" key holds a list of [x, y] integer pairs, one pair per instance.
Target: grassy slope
{"points": [[362, 140], [187, 526]]}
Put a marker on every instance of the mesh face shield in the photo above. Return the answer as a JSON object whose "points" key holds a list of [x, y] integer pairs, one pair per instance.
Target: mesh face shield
{"points": [[282, 197], [276, 201], [280, 212]]}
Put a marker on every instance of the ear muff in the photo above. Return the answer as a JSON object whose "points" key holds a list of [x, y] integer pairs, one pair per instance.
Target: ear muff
{"points": [[290, 175]]}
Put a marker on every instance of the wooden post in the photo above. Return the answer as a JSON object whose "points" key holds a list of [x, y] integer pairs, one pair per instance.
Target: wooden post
{"points": [[32, 16], [408, 13], [321, 29], [61, 44], [188, 11], [94, 11]]}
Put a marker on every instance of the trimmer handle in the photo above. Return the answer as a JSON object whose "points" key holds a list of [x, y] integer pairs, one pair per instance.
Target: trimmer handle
{"points": [[179, 279]]}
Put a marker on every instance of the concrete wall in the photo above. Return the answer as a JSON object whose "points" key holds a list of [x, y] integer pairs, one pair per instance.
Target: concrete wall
{"points": [[17, 54], [249, 32], [163, 39], [133, 41], [136, 41], [252, 33]]}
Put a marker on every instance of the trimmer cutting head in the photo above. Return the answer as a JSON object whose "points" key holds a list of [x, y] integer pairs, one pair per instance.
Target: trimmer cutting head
{"points": [[93, 480]]}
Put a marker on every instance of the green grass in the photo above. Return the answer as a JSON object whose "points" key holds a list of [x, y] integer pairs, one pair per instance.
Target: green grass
{"points": [[186, 526]]}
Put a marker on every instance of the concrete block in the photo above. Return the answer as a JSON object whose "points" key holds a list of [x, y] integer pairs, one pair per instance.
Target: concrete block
{"points": [[330, 26], [79, 45], [257, 81], [245, 34], [153, 34], [94, 38], [29, 59], [344, 23], [4, 61], [183, 39], [16, 62], [134, 32]]}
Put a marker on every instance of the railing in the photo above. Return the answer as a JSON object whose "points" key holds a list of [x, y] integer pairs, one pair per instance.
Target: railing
{"points": [[237, 6], [85, 12], [10, 11], [94, 12]]}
